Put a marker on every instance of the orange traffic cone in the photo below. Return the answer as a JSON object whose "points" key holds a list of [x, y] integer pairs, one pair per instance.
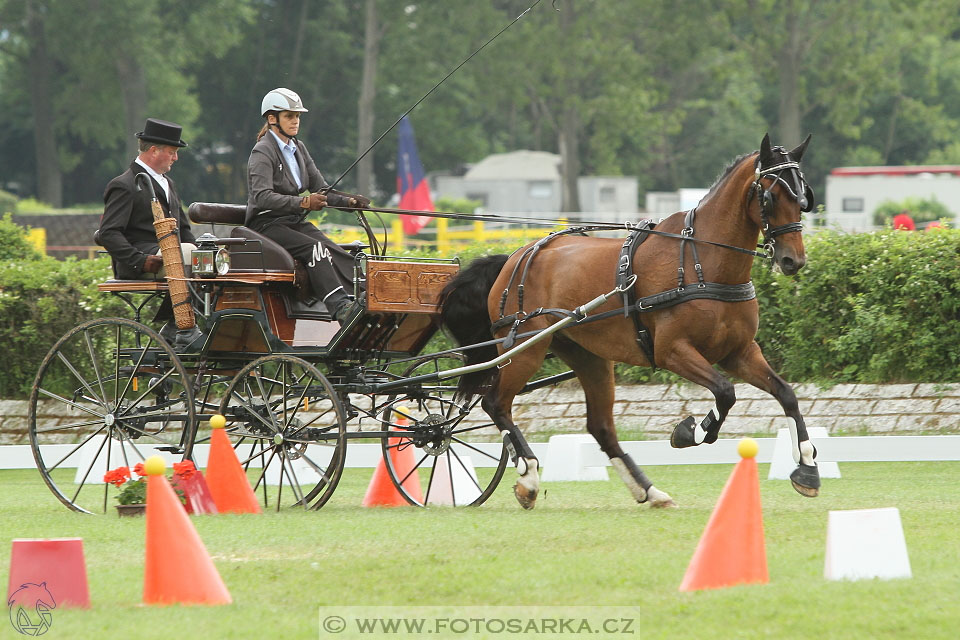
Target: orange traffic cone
{"points": [[178, 569], [225, 477], [731, 550], [381, 492]]}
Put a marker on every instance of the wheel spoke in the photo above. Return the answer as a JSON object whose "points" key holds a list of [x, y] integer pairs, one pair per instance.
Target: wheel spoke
{"points": [[470, 446], [94, 360], [86, 385], [73, 404]]}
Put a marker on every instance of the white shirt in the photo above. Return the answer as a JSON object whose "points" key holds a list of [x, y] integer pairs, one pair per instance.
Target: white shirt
{"points": [[159, 177], [287, 150]]}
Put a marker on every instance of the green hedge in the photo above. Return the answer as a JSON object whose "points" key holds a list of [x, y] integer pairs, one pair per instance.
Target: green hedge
{"points": [[40, 300], [874, 307]]}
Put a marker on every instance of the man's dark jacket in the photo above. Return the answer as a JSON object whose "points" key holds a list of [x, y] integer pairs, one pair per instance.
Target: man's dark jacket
{"points": [[126, 227]]}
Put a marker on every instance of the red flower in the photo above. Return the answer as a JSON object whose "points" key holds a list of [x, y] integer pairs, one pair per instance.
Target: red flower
{"points": [[138, 469], [117, 476], [183, 469]]}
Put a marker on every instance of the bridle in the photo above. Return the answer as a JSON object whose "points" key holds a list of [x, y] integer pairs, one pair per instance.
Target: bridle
{"points": [[799, 190]]}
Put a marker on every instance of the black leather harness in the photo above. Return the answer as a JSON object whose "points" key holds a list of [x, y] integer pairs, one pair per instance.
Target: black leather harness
{"points": [[632, 306]]}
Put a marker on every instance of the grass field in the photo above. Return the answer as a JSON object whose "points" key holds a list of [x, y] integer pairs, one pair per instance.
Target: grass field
{"points": [[586, 545]]}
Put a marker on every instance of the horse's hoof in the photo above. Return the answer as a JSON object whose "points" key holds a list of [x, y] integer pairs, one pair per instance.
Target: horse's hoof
{"points": [[659, 499], [682, 436], [665, 504], [806, 480], [526, 497]]}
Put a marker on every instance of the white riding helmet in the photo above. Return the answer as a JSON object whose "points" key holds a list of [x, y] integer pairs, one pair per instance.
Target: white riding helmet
{"points": [[281, 99]]}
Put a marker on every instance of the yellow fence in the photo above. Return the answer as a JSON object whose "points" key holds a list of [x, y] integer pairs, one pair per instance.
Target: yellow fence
{"points": [[447, 240]]}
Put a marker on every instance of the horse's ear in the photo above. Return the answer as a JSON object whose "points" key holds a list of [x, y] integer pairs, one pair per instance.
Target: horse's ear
{"points": [[765, 153], [797, 153]]}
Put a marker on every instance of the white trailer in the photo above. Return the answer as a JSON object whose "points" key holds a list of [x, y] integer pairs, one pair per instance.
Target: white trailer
{"points": [[854, 193]]}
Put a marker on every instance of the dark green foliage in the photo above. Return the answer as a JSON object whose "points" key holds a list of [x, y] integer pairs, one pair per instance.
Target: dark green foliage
{"points": [[40, 300], [871, 307], [13, 241]]}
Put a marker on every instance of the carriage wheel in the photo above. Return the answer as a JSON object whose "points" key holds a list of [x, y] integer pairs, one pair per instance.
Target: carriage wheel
{"points": [[435, 454], [110, 393], [288, 429]]}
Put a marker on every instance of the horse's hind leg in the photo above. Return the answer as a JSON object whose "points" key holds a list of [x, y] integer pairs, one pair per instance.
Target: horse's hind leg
{"points": [[753, 368], [596, 378], [498, 403], [686, 361]]}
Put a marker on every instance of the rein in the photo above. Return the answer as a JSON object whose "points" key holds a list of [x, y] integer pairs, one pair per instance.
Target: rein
{"points": [[573, 227]]}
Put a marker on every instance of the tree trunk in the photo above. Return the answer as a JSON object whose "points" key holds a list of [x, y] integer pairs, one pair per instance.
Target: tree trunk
{"points": [[569, 131], [789, 64], [569, 144], [368, 92], [298, 43], [40, 70], [133, 86]]}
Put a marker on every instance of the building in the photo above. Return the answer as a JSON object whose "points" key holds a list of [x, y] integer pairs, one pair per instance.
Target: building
{"points": [[660, 204], [528, 183], [854, 193]]}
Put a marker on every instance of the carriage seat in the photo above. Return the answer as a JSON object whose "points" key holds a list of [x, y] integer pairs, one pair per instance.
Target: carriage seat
{"points": [[269, 257]]}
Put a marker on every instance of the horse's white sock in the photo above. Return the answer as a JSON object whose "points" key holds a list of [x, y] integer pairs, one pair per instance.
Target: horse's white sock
{"points": [[802, 451], [638, 492]]}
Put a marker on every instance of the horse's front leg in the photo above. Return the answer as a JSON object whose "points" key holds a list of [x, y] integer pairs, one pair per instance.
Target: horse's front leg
{"points": [[753, 368], [686, 361]]}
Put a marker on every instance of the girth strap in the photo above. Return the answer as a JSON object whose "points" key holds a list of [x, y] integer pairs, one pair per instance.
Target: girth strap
{"points": [[703, 291]]}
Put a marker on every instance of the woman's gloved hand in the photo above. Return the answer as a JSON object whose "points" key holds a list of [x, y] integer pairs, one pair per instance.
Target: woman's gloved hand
{"points": [[313, 202]]}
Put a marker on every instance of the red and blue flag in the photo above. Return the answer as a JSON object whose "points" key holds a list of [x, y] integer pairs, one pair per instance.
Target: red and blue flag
{"points": [[411, 183]]}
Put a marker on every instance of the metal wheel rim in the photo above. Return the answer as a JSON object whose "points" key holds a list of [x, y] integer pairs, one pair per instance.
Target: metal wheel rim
{"points": [[254, 444], [454, 460], [111, 401]]}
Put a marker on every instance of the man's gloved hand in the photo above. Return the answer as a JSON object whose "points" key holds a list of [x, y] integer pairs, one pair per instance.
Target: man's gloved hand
{"points": [[313, 202], [152, 264]]}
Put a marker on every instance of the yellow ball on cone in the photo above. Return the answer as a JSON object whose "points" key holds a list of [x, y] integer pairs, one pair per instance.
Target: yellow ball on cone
{"points": [[748, 448]]}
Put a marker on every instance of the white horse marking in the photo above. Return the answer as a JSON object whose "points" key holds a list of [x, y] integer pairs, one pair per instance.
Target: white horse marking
{"points": [[802, 451], [638, 492]]}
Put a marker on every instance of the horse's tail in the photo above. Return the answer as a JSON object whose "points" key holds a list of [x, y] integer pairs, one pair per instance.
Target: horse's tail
{"points": [[463, 311]]}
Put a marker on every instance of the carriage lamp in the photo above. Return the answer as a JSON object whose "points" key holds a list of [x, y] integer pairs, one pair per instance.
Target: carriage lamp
{"points": [[208, 260]]}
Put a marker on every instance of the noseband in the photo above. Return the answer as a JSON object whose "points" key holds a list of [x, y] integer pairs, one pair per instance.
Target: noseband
{"points": [[799, 190]]}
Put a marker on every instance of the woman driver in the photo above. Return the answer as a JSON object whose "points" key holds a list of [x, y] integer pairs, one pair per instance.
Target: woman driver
{"points": [[284, 186]]}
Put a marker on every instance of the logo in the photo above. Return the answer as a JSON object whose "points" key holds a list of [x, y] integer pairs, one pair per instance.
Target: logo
{"points": [[30, 607], [320, 252]]}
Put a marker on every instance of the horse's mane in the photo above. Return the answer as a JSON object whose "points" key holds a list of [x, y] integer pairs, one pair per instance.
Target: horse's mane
{"points": [[728, 169]]}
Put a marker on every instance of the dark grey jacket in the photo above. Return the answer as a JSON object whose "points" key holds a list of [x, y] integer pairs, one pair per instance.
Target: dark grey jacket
{"points": [[272, 190]]}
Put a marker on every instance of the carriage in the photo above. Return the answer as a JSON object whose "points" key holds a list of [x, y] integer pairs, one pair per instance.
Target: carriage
{"points": [[289, 379]]}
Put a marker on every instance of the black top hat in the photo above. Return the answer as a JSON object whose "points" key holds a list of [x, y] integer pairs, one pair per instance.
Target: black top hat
{"points": [[163, 132]]}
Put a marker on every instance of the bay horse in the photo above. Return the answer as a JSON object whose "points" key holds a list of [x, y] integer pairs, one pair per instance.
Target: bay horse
{"points": [[695, 302]]}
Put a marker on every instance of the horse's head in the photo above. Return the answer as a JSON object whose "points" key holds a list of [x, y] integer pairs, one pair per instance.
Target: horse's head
{"points": [[782, 195]]}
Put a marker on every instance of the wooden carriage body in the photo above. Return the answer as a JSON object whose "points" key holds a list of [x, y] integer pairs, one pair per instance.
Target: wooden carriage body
{"points": [[258, 307]]}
